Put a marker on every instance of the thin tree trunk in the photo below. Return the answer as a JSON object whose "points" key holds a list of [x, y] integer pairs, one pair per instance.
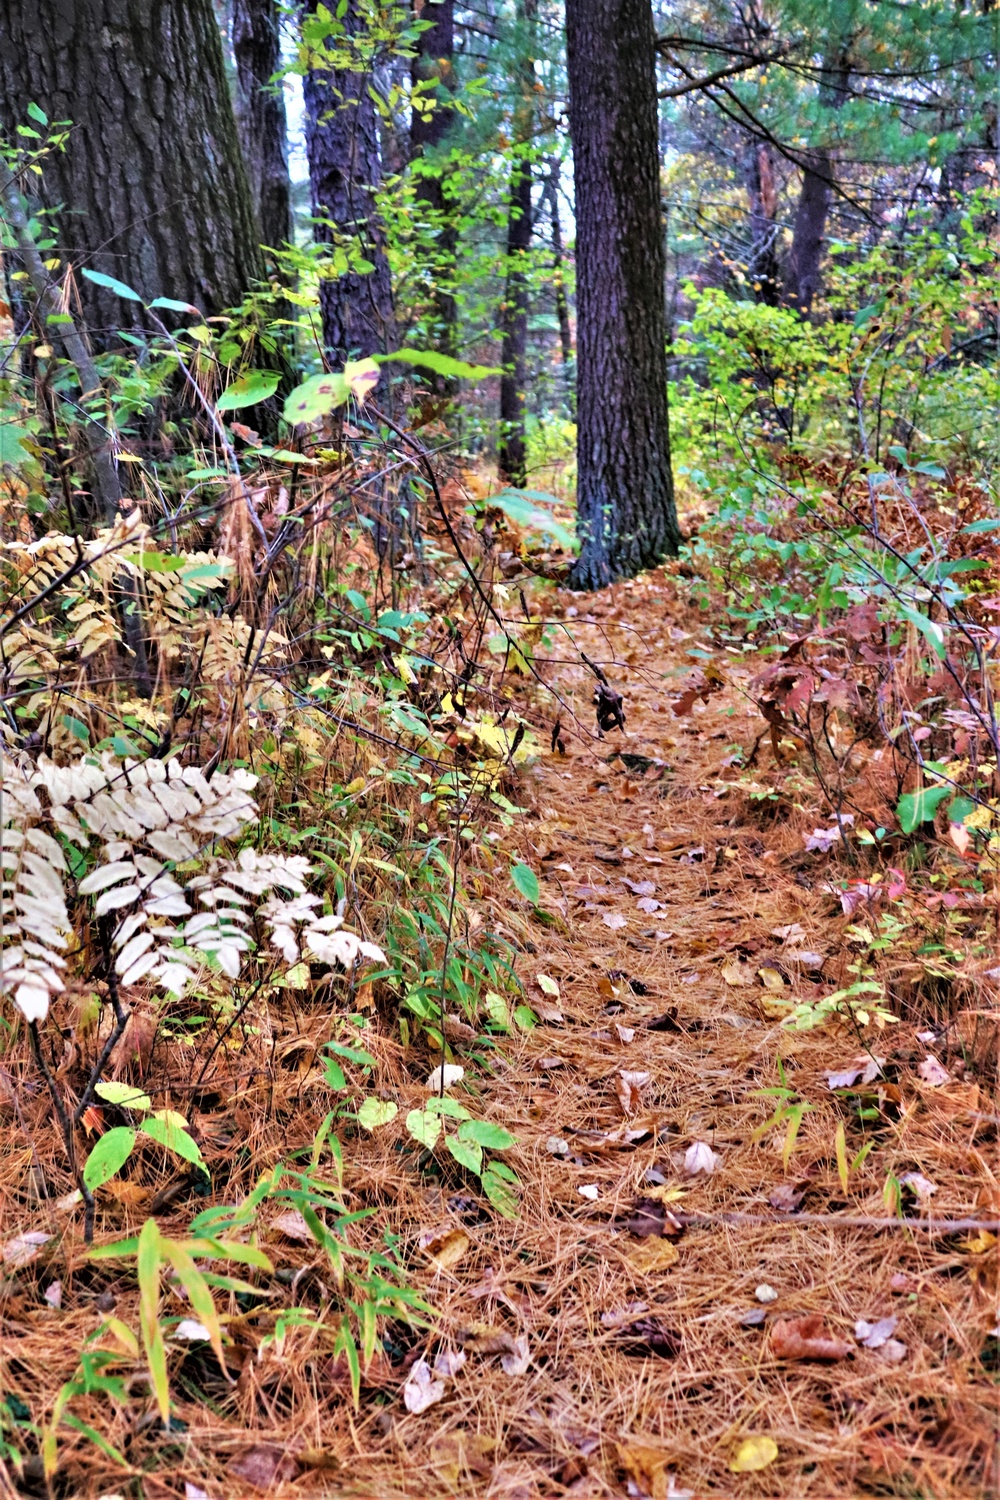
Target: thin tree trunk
{"points": [[260, 116], [512, 453], [512, 456], [345, 172], [763, 262], [152, 177], [625, 500], [434, 65], [559, 280], [802, 277]]}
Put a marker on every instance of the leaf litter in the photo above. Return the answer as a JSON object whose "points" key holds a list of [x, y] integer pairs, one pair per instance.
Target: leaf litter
{"points": [[659, 1401]]}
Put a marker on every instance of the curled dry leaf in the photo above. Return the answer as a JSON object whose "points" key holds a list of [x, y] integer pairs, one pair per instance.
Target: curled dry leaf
{"points": [[293, 1226], [53, 1294], [614, 920], [807, 1338], [920, 1185], [445, 1247], [617, 1317], [445, 1075], [864, 1069], [932, 1072], [893, 1352], [626, 1034], [874, 1335], [421, 1389], [701, 1160], [24, 1248], [516, 1362], [649, 1218], [737, 974], [448, 1363], [556, 1146], [629, 1090], [263, 1466], [787, 1197], [640, 887], [648, 905]]}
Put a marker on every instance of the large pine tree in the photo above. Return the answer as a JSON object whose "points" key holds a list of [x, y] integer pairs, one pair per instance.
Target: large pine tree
{"points": [[625, 500], [152, 183]]}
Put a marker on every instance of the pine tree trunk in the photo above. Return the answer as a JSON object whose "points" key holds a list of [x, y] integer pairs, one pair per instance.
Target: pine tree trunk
{"points": [[802, 277], [511, 448], [763, 263], [559, 280], [512, 456], [342, 144], [434, 63], [625, 500], [260, 116], [152, 178]]}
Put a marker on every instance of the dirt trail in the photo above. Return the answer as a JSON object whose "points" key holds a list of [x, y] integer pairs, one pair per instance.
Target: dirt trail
{"points": [[644, 1379]]}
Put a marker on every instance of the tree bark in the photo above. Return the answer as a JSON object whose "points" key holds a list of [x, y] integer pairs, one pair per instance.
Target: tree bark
{"points": [[762, 268], [434, 64], [345, 172], [511, 450], [559, 280], [626, 516], [512, 454], [260, 116], [802, 278], [152, 178]]}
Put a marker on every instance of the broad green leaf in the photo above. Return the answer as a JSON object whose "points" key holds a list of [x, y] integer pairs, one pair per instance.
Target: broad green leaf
{"points": [[174, 1136], [11, 438], [424, 1127], [76, 727], [315, 398], [497, 1010], [36, 114], [753, 1453], [930, 629], [362, 377], [466, 1153], [548, 985], [172, 305], [525, 1017], [109, 1155], [148, 1269], [919, 807], [443, 1105], [974, 527], [156, 562], [498, 1192], [249, 389], [118, 287], [124, 1094], [439, 364], [493, 1137], [526, 881], [376, 1112], [960, 809]]}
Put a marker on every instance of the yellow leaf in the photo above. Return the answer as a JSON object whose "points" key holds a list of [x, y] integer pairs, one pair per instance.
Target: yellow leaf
{"points": [[979, 1243], [653, 1255], [753, 1454], [736, 973], [446, 1250], [771, 979]]}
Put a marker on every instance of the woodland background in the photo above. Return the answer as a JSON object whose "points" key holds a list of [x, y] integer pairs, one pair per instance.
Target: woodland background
{"points": [[322, 494]]}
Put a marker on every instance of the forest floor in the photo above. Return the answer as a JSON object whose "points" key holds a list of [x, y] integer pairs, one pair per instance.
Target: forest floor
{"points": [[634, 1331]]}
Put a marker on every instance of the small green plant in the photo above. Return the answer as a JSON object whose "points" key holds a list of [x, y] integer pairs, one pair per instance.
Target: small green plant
{"points": [[468, 1143], [790, 1112], [165, 1126]]}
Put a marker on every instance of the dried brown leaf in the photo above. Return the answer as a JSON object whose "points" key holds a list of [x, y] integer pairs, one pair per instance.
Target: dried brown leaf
{"points": [[807, 1338]]}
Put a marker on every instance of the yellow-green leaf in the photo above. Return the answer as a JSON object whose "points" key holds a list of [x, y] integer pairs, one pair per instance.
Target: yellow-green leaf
{"points": [[149, 1304], [753, 1453]]}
